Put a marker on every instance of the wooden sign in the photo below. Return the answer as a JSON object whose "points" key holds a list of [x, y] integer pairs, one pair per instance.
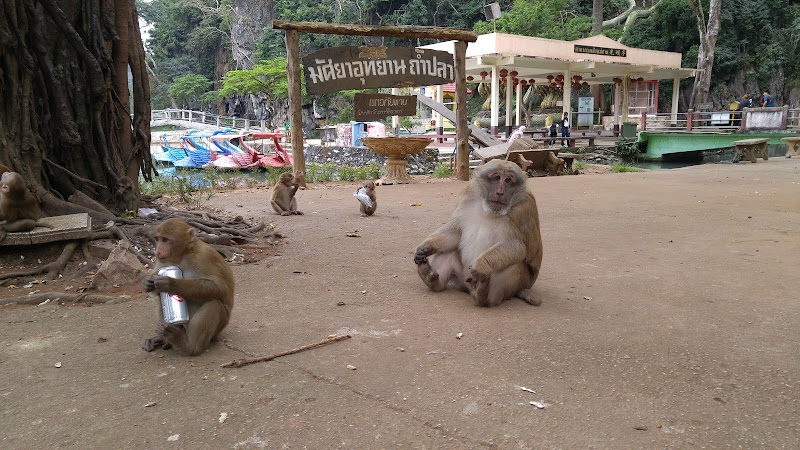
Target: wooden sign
{"points": [[377, 106], [342, 68], [603, 51]]}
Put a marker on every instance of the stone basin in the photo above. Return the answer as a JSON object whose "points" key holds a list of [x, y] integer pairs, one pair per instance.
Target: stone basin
{"points": [[396, 149]]}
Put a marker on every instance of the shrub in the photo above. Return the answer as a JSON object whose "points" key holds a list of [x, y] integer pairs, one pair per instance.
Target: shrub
{"points": [[443, 170]]}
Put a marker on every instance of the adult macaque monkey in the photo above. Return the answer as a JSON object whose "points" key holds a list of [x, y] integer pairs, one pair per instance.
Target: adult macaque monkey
{"points": [[19, 209], [126, 196], [207, 286], [283, 201], [492, 247]]}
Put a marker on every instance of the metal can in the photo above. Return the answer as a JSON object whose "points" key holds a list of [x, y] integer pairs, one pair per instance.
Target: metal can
{"points": [[174, 306]]}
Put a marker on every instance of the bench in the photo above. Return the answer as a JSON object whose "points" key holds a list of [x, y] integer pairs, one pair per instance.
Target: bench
{"points": [[568, 159], [793, 144], [571, 140], [751, 149], [540, 161]]}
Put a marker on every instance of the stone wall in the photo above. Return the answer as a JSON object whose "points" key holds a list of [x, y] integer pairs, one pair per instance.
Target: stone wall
{"points": [[421, 163]]}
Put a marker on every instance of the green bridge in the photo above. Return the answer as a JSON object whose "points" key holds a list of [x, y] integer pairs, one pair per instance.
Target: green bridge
{"points": [[687, 144]]}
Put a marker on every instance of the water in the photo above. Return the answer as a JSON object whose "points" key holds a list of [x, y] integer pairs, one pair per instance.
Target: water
{"points": [[721, 156]]}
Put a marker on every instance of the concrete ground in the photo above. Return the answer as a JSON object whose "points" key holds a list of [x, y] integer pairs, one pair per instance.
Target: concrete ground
{"points": [[669, 318]]}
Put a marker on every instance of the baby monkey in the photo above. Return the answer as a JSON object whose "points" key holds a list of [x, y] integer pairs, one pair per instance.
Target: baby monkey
{"points": [[368, 202]]}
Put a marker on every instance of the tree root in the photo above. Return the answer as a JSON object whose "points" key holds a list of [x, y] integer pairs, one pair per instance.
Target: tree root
{"points": [[52, 268], [235, 237], [41, 297]]}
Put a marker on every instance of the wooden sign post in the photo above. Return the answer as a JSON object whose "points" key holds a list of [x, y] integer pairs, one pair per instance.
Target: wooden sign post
{"points": [[293, 71]]}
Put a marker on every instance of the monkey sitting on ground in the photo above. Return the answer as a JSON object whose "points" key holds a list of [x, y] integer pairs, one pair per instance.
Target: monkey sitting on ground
{"points": [[207, 285], [19, 209], [125, 196], [492, 247], [283, 201], [368, 202]]}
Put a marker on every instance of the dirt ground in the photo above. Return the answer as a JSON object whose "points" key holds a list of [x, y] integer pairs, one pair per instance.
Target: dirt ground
{"points": [[669, 319]]}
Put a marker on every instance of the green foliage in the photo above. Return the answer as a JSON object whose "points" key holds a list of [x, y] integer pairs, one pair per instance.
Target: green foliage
{"points": [[757, 38], [406, 122], [320, 173], [627, 149], [578, 164], [443, 170], [181, 30], [551, 19], [345, 115], [189, 87], [622, 167], [268, 77]]}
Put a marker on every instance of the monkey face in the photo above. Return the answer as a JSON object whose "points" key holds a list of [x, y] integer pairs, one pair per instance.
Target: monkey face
{"points": [[164, 248], [287, 179], [501, 184], [173, 238], [499, 181]]}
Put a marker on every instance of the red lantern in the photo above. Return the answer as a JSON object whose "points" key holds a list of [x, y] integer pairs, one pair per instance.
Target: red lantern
{"points": [[483, 74], [514, 73], [553, 84], [617, 80], [585, 84], [503, 73], [469, 78], [531, 81], [550, 78], [523, 82], [559, 77], [639, 80], [516, 81]]}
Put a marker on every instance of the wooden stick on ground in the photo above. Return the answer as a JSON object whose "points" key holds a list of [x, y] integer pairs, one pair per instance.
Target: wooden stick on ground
{"points": [[244, 362]]}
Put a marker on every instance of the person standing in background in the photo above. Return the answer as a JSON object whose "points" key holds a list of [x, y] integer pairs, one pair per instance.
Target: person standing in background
{"points": [[746, 102], [767, 101], [564, 128]]}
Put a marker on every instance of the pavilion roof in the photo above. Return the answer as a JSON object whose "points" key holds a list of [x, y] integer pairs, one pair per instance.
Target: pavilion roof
{"points": [[598, 59]]}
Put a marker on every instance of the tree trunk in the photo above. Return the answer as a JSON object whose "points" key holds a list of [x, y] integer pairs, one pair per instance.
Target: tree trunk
{"points": [[705, 55], [597, 15], [65, 113], [597, 91]]}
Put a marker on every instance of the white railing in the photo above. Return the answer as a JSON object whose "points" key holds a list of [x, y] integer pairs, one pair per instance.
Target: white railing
{"points": [[707, 121], [182, 116]]}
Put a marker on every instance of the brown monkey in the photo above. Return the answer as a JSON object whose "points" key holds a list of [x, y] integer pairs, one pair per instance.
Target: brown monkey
{"points": [[283, 201], [368, 202], [19, 209], [492, 247], [207, 286], [126, 197]]}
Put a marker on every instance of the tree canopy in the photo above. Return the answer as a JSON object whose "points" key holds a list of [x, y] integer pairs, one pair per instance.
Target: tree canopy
{"points": [[756, 46]]}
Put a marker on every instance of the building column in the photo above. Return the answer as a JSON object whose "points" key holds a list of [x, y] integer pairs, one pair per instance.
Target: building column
{"points": [[495, 101], [567, 98], [396, 119], [509, 93], [624, 111], [438, 117], [617, 107], [676, 87], [519, 102]]}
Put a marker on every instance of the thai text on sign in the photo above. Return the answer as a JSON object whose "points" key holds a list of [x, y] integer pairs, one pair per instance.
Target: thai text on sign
{"points": [[601, 51], [341, 68], [377, 106]]}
